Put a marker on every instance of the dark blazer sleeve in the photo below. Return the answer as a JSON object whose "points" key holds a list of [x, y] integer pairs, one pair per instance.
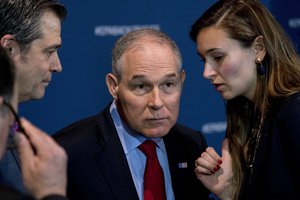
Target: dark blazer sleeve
{"points": [[10, 173]]}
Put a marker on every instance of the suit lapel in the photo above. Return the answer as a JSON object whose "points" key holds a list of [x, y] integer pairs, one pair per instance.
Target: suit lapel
{"points": [[112, 162], [177, 163]]}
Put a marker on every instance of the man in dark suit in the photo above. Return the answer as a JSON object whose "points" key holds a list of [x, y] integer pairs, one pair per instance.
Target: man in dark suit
{"points": [[30, 31], [43, 162], [105, 160]]}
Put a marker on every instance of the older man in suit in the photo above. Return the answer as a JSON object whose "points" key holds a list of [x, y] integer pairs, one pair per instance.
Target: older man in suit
{"points": [[106, 155]]}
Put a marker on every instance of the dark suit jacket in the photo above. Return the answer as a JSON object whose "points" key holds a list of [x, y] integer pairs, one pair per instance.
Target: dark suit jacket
{"points": [[276, 168], [7, 193], [98, 169], [10, 173]]}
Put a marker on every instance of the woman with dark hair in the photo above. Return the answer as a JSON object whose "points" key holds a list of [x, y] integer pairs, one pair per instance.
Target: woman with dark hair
{"points": [[254, 66]]}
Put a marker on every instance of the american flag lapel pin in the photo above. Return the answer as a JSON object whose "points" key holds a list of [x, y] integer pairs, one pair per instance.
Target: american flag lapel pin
{"points": [[182, 165]]}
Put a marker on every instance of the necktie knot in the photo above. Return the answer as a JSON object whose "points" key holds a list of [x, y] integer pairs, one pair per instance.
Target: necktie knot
{"points": [[149, 149]]}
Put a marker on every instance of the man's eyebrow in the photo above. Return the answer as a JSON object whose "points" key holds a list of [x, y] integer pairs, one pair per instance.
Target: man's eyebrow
{"points": [[138, 76], [55, 46], [170, 75], [143, 76]]}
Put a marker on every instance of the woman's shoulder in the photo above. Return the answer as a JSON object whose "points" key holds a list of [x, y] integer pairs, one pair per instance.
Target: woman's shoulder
{"points": [[293, 97], [291, 102], [287, 110], [288, 103]]}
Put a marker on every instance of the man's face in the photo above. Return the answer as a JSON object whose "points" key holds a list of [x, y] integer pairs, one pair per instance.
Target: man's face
{"points": [[35, 66], [148, 94]]}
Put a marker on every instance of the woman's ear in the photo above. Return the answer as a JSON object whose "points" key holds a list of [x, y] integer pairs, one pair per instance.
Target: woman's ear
{"points": [[112, 85], [260, 48]]}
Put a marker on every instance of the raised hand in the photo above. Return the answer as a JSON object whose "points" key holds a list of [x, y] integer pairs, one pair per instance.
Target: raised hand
{"points": [[215, 172], [44, 167]]}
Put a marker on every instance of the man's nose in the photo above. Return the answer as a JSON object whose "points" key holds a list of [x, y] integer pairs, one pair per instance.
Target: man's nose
{"points": [[55, 65], [156, 98]]}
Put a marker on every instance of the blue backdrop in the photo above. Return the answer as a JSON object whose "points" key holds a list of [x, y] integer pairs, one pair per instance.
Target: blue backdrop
{"points": [[88, 34]]}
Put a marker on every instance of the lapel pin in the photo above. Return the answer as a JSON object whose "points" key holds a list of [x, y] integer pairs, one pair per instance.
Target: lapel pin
{"points": [[182, 165]]}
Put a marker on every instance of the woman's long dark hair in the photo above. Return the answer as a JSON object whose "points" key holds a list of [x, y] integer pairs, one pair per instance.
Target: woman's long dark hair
{"points": [[245, 20]]}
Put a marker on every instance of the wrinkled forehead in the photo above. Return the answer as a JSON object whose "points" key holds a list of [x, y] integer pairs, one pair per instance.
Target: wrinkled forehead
{"points": [[150, 59]]}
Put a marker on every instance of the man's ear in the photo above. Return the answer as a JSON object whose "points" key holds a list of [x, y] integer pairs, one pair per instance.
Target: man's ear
{"points": [[9, 43], [182, 76], [112, 85], [260, 48]]}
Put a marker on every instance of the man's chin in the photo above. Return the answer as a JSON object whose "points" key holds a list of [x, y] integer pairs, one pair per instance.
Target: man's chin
{"points": [[36, 96], [156, 133]]}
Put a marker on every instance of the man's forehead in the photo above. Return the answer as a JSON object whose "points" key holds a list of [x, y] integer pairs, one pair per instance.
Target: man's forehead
{"points": [[146, 76]]}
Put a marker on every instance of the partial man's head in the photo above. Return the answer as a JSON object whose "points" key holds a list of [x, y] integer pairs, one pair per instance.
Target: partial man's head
{"points": [[146, 81], [7, 94], [30, 31]]}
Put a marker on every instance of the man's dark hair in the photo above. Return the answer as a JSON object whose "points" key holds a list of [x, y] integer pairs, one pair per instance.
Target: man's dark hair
{"points": [[21, 18]]}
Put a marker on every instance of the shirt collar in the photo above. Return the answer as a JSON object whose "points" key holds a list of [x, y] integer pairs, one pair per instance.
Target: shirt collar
{"points": [[130, 139]]}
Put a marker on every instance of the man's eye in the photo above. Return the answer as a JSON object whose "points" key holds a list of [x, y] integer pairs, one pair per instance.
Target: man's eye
{"points": [[169, 84], [170, 87], [140, 86], [49, 53], [141, 89]]}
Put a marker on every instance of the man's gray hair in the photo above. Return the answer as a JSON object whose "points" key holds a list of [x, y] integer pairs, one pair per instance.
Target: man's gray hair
{"points": [[131, 39]]}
